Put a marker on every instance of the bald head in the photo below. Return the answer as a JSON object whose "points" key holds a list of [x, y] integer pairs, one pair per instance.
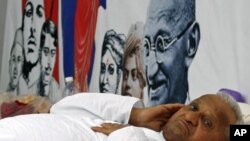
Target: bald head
{"points": [[171, 38], [173, 11]]}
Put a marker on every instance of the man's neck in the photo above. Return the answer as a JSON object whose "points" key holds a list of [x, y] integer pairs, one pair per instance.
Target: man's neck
{"points": [[34, 75]]}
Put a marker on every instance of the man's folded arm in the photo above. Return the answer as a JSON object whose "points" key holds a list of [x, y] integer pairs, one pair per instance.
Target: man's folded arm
{"points": [[96, 105]]}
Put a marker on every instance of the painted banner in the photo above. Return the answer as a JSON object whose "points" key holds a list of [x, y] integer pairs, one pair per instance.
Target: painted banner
{"points": [[32, 50], [161, 51], [188, 48], [146, 44]]}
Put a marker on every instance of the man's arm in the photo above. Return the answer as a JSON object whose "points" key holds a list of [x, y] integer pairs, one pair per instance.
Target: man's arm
{"points": [[117, 132], [122, 109], [153, 117], [95, 105]]}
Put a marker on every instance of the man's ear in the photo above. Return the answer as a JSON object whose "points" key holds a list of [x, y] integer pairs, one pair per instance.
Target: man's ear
{"points": [[193, 43]]}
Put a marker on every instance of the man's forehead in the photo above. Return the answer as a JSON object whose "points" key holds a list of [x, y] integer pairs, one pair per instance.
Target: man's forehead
{"points": [[208, 97], [160, 4], [209, 100], [221, 107], [49, 40], [17, 49], [166, 14], [216, 106], [168, 8], [214, 102]]}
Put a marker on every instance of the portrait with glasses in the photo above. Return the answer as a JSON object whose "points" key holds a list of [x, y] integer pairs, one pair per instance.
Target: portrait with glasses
{"points": [[171, 39]]}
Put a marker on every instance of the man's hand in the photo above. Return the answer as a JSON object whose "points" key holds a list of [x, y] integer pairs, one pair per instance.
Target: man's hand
{"points": [[153, 117], [108, 128]]}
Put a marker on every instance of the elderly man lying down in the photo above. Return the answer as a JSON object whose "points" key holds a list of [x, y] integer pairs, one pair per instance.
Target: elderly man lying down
{"points": [[96, 117]]}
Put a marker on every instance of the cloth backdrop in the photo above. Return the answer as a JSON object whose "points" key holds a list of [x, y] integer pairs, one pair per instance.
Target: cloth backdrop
{"points": [[221, 60]]}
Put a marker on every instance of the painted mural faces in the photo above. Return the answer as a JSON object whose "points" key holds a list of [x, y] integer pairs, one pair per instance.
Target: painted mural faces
{"points": [[131, 84], [108, 73], [48, 56], [133, 73], [171, 40], [16, 62], [33, 54], [33, 19], [111, 60]]}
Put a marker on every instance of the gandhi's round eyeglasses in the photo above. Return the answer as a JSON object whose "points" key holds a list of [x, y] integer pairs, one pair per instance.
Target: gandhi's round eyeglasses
{"points": [[163, 43]]}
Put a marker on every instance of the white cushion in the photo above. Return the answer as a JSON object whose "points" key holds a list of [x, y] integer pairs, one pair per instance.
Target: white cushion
{"points": [[245, 109]]}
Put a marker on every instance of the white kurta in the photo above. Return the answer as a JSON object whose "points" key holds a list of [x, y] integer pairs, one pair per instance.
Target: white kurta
{"points": [[71, 118]]}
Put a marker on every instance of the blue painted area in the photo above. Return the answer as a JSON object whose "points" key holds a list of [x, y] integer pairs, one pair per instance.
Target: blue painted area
{"points": [[68, 20], [103, 3]]}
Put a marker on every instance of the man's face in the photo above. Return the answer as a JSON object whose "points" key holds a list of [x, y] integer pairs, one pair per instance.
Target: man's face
{"points": [[33, 20], [131, 84], [206, 119], [48, 57], [108, 75], [165, 70], [16, 62]]}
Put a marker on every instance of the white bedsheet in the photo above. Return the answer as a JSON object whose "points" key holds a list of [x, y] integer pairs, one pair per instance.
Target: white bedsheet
{"points": [[71, 119], [44, 127]]}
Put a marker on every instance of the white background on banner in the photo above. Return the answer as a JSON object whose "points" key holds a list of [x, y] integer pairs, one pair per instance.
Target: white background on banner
{"points": [[222, 60], [13, 14], [3, 4], [223, 54]]}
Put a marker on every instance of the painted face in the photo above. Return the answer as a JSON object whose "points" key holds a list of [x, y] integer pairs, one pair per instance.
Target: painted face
{"points": [[131, 84], [108, 75], [206, 118], [48, 57], [16, 63], [33, 20], [165, 69]]}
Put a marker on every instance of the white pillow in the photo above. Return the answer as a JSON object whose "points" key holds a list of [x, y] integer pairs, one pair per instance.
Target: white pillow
{"points": [[245, 109]]}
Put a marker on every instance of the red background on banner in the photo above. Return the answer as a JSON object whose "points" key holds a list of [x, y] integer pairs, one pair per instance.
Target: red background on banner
{"points": [[85, 24]]}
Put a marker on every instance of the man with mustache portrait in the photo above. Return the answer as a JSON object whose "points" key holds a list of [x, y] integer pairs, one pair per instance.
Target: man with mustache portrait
{"points": [[171, 39], [48, 86], [33, 19]]}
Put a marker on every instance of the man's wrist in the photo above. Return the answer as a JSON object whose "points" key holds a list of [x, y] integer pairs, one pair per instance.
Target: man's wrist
{"points": [[135, 118]]}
